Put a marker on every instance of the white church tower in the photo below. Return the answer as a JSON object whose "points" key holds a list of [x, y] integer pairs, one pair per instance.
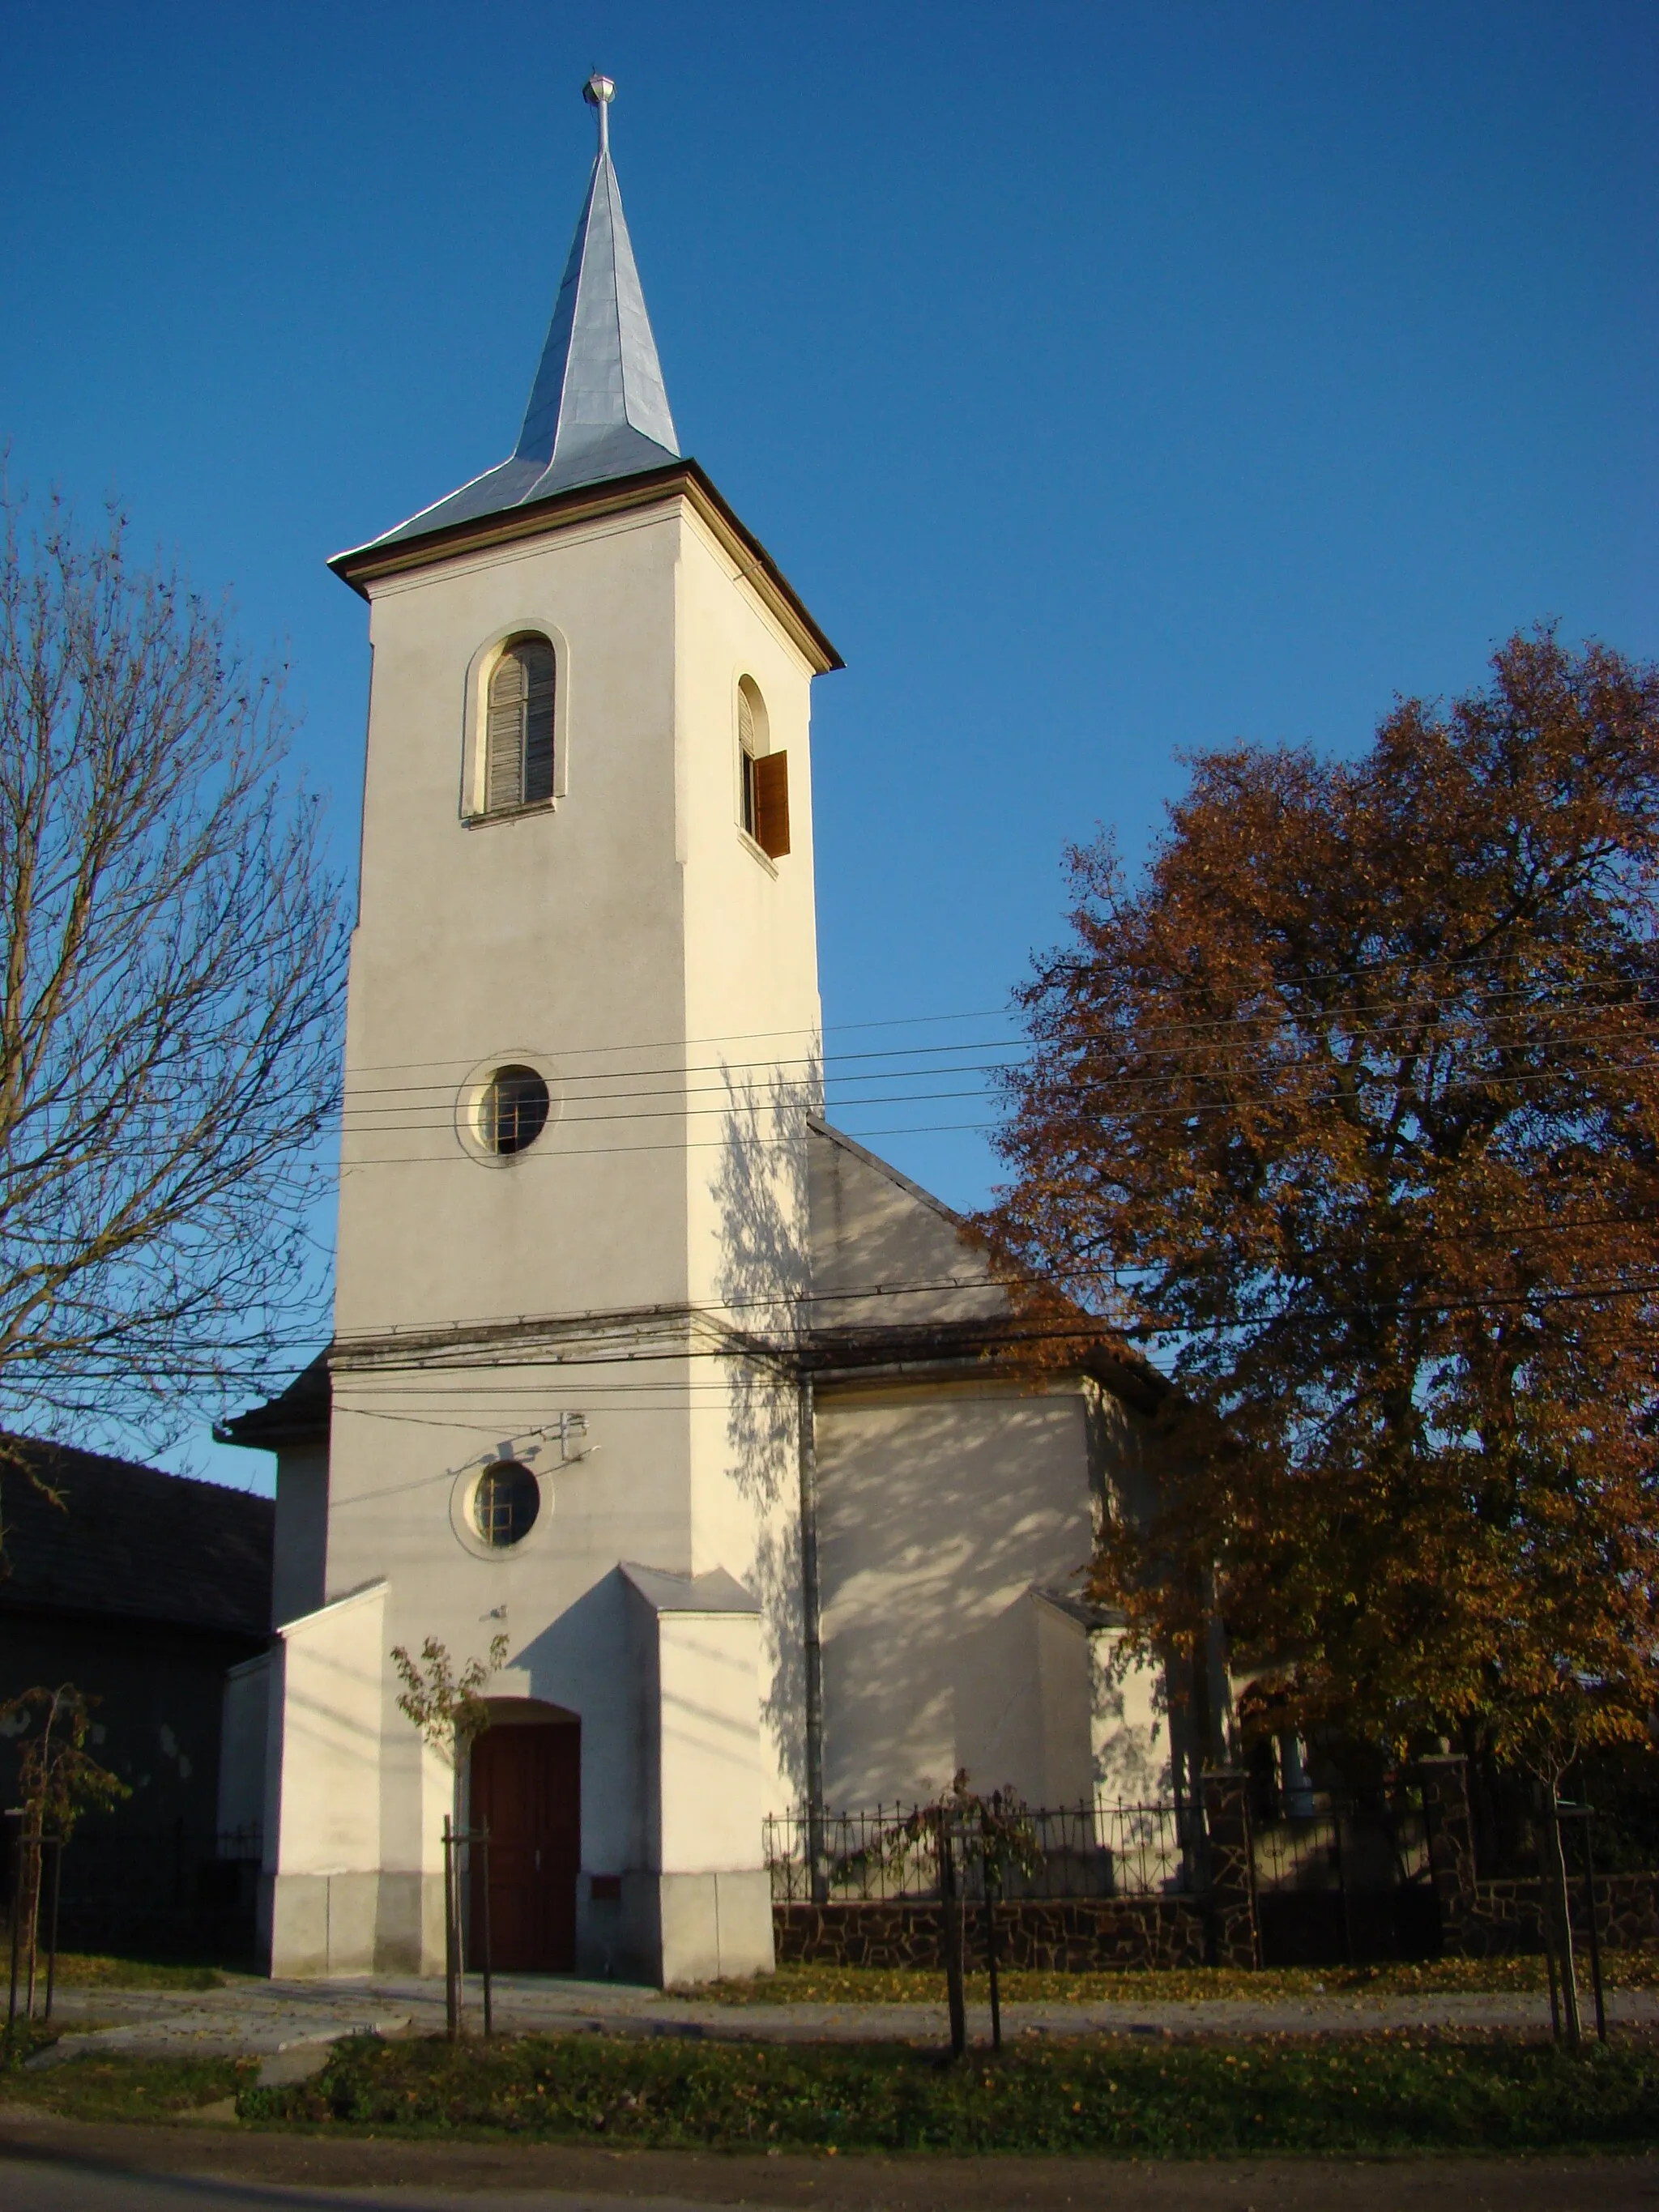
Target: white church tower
{"points": [[582, 1051]]}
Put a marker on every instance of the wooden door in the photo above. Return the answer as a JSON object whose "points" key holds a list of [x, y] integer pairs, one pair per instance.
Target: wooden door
{"points": [[527, 1786]]}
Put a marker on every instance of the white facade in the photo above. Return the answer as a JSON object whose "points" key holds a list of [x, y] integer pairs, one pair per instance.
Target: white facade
{"points": [[705, 1324]]}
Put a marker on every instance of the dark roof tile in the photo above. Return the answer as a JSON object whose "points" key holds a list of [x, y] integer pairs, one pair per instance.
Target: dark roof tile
{"points": [[132, 1541]]}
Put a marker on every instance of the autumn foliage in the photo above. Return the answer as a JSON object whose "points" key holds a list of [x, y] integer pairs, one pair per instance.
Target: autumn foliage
{"points": [[1349, 1112]]}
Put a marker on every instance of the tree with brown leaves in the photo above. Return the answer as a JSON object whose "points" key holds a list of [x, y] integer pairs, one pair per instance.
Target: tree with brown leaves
{"points": [[1350, 1112]]}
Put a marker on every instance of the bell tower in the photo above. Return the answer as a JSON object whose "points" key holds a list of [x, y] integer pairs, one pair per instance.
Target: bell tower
{"points": [[583, 1041]]}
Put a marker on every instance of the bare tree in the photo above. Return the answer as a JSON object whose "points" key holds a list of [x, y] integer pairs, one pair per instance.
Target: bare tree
{"points": [[171, 963]]}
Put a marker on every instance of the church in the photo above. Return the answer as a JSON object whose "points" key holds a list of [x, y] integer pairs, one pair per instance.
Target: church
{"points": [[638, 1364]]}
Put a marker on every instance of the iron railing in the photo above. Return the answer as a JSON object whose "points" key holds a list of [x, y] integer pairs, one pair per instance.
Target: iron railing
{"points": [[890, 1854], [1343, 1876], [172, 1892]]}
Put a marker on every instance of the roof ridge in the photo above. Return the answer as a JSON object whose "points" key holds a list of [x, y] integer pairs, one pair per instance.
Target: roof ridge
{"points": [[886, 1168]]}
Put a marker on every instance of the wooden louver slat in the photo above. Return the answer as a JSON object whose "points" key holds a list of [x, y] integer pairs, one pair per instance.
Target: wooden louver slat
{"points": [[518, 727], [537, 721], [772, 804]]}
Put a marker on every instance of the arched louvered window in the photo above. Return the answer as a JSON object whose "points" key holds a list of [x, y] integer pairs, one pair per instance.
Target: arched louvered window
{"points": [[765, 793], [518, 743]]}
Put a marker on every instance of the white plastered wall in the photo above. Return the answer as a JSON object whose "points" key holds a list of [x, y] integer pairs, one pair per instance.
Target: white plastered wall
{"points": [[1130, 1728], [299, 1549], [955, 1518], [245, 1713], [750, 942], [710, 1893], [324, 1843], [938, 1508]]}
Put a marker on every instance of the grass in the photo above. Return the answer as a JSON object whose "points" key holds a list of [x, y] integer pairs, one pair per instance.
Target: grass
{"points": [[118, 2088], [841, 1985], [1375, 2094], [87, 1970]]}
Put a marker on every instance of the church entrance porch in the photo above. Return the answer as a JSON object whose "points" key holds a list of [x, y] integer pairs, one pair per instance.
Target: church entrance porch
{"points": [[525, 1789]]}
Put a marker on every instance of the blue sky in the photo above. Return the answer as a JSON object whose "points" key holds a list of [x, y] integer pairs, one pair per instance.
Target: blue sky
{"points": [[1111, 380]]}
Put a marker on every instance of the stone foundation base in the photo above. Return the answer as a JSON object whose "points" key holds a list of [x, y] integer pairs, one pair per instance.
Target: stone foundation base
{"points": [[1058, 1936], [677, 1929], [314, 1926], [670, 1929]]}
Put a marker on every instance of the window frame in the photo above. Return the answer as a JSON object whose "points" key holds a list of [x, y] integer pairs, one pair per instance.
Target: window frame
{"points": [[521, 749], [500, 1475], [469, 1103], [462, 1507], [474, 808], [753, 806]]}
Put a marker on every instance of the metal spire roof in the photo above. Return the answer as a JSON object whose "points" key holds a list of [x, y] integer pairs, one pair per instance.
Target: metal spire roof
{"points": [[597, 409]]}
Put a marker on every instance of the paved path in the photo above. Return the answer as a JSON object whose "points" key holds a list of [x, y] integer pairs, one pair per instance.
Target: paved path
{"points": [[266, 2018], [58, 2167]]}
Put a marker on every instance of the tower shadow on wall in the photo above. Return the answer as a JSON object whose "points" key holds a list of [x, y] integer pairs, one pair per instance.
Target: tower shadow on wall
{"points": [[761, 1188]]}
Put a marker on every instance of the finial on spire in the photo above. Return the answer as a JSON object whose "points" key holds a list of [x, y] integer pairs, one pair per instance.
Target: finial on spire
{"points": [[598, 92]]}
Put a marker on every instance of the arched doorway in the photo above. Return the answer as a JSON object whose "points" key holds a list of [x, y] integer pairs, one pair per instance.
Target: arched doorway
{"points": [[526, 1786]]}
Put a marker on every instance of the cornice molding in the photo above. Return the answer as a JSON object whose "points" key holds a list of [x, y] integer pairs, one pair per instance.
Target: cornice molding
{"points": [[367, 565]]}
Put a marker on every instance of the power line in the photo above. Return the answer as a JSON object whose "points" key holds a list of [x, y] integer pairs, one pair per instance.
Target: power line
{"points": [[1426, 966], [1572, 997]]}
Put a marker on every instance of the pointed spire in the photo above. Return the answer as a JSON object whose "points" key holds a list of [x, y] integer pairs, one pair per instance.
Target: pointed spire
{"points": [[597, 409]]}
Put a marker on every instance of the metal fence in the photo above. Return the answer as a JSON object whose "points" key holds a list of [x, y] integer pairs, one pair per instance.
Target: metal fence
{"points": [[1343, 1876], [1307, 1841], [890, 1854], [172, 1893]]}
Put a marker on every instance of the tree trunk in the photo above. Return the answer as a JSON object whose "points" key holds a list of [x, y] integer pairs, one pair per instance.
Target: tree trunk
{"points": [[1556, 1915], [33, 1857]]}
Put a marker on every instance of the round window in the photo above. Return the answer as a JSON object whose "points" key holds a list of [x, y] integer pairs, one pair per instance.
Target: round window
{"points": [[513, 1110], [505, 1504]]}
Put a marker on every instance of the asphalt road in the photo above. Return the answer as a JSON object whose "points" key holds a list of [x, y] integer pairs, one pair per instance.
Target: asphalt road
{"points": [[62, 2167]]}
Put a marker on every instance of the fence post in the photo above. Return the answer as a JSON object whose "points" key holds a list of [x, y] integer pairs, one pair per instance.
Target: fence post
{"points": [[16, 1923], [952, 1934], [1342, 1882], [1451, 1847], [452, 2006], [34, 1864], [489, 2021], [52, 1937], [992, 1885], [1232, 1868], [1583, 1814]]}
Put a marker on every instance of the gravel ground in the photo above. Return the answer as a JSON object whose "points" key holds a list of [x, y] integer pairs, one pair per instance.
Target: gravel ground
{"points": [[265, 2018]]}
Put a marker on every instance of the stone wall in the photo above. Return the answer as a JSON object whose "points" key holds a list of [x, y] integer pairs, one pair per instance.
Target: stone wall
{"points": [[1481, 1918], [1503, 1915], [1066, 1936]]}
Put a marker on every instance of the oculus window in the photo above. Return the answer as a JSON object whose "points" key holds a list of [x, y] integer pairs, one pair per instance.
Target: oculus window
{"points": [[512, 1110], [505, 1505]]}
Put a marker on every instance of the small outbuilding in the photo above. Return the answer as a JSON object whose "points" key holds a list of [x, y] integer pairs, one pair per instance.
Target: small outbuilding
{"points": [[144, 1590]]}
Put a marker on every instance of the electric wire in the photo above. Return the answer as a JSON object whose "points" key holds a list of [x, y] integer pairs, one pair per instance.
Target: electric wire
{"points": [[1426, 965]]}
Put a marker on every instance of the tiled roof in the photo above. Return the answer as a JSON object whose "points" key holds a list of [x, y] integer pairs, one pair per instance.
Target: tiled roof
{"points": [[133, 1542]]}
